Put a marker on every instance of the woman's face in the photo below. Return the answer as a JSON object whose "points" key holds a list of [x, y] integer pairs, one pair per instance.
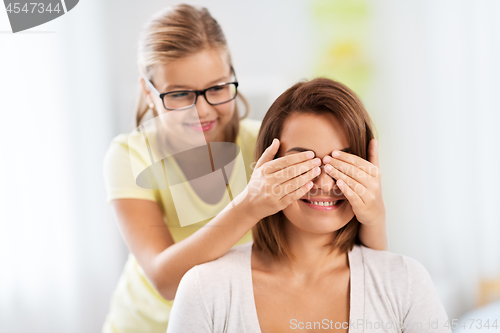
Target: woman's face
{"points": [[198, 71], [322, 134]]}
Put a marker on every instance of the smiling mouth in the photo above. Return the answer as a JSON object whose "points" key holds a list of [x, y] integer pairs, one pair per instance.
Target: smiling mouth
{"points": [[201, 123], [201, 127], [323, 203]]}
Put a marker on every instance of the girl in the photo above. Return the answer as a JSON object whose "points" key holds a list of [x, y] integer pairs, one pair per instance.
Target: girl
{"points": [[182, 50], [305, 269]]}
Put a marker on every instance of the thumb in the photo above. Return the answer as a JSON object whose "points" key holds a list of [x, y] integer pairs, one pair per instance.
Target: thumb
{"points": [[373, 152], [269, 153]]}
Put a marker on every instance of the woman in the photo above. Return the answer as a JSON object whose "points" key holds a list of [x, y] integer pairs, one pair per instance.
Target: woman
{"points": [[182, 50], [306, 269]]}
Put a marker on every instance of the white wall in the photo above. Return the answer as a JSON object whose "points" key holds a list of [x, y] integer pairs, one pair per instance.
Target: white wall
{"points": [[435, 96], [60, 252]]}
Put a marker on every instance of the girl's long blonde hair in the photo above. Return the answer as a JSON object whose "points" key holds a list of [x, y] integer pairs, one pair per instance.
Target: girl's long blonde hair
{"points": [[176, 32]]}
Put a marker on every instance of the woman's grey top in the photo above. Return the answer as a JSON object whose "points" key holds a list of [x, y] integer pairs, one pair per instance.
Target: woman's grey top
{"points": [[389, 293]]}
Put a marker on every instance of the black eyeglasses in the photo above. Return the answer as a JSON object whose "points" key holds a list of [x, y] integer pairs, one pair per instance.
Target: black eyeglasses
{"points": [[185, 99]]}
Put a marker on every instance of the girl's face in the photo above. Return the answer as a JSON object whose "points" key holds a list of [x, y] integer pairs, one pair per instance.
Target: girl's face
{"points": [[322, 134], [198, 71]]}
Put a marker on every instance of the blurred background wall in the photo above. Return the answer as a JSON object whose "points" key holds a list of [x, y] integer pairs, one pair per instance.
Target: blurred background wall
{"points": [[427, 71]]}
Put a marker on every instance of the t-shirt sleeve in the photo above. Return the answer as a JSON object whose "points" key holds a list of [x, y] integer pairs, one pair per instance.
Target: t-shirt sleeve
{"points": [[118, 175], [425, 310], [189, 313]]}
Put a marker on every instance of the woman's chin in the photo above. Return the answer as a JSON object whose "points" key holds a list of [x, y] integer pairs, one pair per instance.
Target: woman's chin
{"points": [[321, 227]]}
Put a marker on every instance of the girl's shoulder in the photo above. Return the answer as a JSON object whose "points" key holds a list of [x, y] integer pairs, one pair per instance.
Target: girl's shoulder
{"points": [[130, 145], [124, 141], [249, 128], [246, 140]]}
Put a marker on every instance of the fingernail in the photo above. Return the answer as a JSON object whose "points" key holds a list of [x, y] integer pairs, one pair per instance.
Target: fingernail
{"points": [[317, 170], [327, 159], [317, 161], [336, 153], [328, 167], [310, 154]]}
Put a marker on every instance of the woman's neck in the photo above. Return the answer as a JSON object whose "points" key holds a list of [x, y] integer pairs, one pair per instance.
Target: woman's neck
{"points": [[312, 258]]}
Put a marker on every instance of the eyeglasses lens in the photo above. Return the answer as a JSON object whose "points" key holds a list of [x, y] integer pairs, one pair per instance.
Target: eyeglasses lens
{"points": [[216, 95]]}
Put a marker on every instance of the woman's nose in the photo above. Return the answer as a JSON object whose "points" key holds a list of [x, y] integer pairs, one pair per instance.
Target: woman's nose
{"points": [[323, 181]]}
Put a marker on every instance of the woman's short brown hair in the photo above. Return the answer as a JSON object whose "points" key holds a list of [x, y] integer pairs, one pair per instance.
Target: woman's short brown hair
{"points": [[318, 96]]}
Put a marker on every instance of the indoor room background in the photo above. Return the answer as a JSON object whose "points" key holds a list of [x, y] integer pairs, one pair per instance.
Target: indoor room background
{"points": [[428, 73]]}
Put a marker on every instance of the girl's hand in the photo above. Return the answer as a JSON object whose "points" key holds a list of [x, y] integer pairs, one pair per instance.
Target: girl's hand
{"points": [[271, 187], [359, 180]]}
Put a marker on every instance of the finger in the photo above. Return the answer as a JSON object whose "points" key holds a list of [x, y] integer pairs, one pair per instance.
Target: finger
{"points": [[269, 153], [297, 194], [365, 191], [355, 160], [350, 170], [373, 152], [295, 170], [285, 161], [294, 184], [339, 176], [353, 198]]}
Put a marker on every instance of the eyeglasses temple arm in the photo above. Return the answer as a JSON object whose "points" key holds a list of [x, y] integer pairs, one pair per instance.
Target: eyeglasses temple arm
{"points": [[150, 85], [235, 78]]}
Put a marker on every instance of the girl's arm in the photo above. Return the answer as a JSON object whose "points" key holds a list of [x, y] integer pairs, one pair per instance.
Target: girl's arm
{"points": [[147, 236], [374, 236], [165, 262]]}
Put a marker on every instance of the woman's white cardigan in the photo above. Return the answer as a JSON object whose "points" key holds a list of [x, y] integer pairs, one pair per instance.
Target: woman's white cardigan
{"points": [[389, 293]]}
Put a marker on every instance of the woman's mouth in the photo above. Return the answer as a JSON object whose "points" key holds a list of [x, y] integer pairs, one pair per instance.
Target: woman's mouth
{"points": [[201, 127], [323, 205]]}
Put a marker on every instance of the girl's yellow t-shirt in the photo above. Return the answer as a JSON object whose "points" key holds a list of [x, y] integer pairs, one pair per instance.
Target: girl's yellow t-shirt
{"points": [[136, 306]]}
